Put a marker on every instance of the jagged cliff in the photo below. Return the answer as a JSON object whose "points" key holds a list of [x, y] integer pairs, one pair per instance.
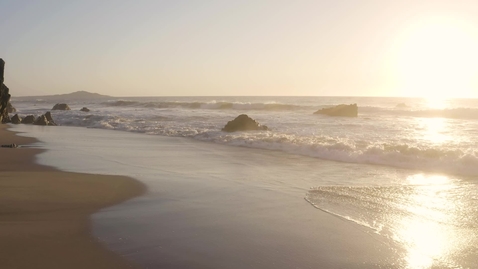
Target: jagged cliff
{"points": [[4, 95]]}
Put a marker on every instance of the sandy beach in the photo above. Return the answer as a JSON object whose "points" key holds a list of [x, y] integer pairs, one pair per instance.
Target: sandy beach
{"points": [[44, 213]]}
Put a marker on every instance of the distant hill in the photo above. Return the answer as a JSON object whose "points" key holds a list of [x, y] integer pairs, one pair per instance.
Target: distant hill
{"points": [[74, 95]]}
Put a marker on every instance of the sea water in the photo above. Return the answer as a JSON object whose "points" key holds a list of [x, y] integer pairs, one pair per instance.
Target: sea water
{"points": [[428, 135], [407, 172]]}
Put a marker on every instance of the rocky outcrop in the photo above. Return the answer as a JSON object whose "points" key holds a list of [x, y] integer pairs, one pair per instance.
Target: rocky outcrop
{"points": [[50, 120], [10, 108], [28, 119], [4, 95], [339, 111], [6, 107], [45, 120], [41, 121], [61, 107], [85, 109], [243, 123], [401, 105], [16, 119]]}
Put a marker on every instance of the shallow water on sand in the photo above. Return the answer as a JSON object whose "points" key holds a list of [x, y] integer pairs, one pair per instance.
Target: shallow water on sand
{"points": [[435, 218], [216, 206]]}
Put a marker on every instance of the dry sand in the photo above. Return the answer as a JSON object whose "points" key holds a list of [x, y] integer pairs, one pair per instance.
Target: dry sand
{"points": [[44, 213]]}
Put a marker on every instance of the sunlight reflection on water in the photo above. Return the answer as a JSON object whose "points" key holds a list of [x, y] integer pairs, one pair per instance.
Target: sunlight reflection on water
{"points": [[435, 130], [437, 102], [432, 218], [428, 234]]}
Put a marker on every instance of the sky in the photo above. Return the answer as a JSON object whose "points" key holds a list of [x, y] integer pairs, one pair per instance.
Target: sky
{"points": [[241, 48]]}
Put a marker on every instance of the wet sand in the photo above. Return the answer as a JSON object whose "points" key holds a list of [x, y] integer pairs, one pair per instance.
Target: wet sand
{"points": [[45, 213], [212, 206]]}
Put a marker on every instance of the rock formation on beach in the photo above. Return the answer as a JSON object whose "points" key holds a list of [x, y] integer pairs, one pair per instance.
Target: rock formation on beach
{"points": [[41, 121], [50, 120], [16, 119], [45, 120], [4, 95], [28, 119], [6, 107], [340, 111], [85, 109], [61, 107], [243, 123], [10, 108]]}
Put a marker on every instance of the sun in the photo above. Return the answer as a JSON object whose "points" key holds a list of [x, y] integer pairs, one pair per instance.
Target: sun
{"points": [[438, 58]]}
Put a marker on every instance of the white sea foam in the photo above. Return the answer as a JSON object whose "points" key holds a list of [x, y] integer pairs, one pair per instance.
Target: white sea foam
{"points": [[328, 148], [418, 111], [209, 105], [413, 137]]}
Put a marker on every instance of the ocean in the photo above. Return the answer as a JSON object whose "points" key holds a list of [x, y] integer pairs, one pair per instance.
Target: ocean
{"points": [[405, 170]]}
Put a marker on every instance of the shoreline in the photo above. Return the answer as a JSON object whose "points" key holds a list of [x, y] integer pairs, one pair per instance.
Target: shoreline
{"points": [[45, 213], [213, 206]]}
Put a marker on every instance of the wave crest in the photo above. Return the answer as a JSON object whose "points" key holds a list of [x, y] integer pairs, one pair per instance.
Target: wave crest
{"points": [[464, 113], [420, 157], [219, 105]]}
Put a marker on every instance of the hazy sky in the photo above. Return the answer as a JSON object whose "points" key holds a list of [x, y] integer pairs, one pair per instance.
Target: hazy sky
{"points": [[151, 48]]}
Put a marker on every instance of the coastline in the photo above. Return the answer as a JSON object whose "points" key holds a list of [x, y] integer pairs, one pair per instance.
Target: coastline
{"points": [[45, 213], [214, 206]]}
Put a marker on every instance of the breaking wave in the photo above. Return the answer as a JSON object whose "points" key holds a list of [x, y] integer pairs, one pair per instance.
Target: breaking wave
{"points": [[452, 113], [459, 159], [209, 105], [375, 137], [420, 157]]}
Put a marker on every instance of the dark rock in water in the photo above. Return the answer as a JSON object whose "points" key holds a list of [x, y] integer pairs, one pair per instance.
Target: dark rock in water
{"points": [[48, 116], [340, 111], [41, 121], [50, 120], [4, 95], [16, 119], [28, 119], [243, 123], [44, 120], [61, 107], [85, 109], [10, 108], [401, 105]]}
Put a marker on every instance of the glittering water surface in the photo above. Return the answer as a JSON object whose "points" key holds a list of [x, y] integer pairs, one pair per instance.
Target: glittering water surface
{"points": [[435, 218]]}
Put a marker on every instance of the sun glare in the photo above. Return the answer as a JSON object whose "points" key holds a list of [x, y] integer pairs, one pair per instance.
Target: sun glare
{"points": [[438, 58], [426, 236]]}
